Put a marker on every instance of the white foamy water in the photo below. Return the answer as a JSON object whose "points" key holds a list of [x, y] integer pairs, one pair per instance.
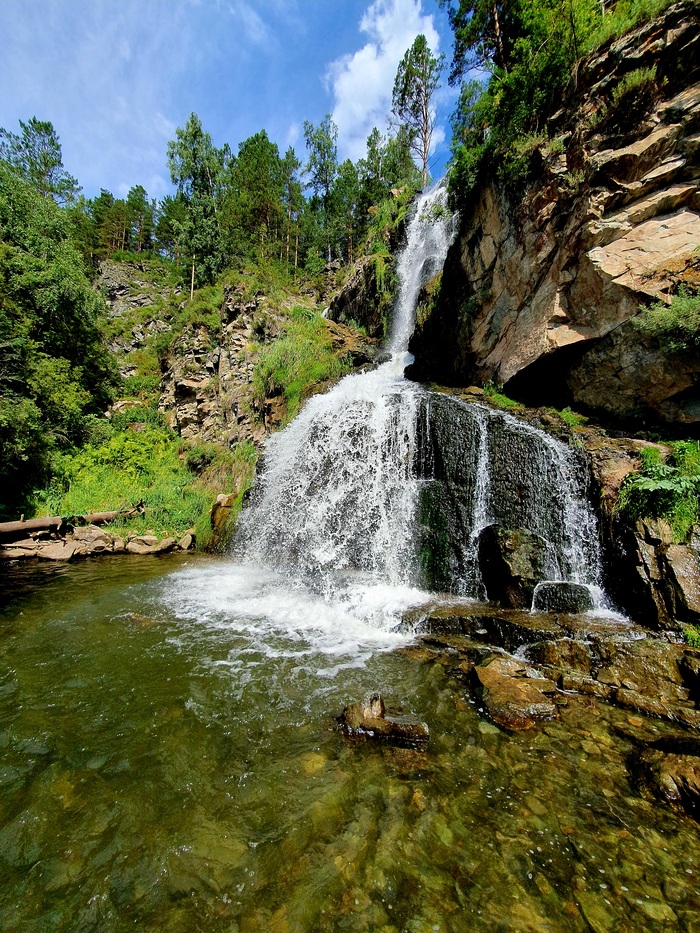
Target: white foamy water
{"points": [[271, 616]]}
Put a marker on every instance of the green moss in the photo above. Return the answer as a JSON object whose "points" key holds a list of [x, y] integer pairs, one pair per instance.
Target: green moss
{"points": [[691, 633], [496, 397]]}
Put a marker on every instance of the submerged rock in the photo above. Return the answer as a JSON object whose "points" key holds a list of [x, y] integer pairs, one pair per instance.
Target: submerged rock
{"points": [[368, 719], [514, 699], [562, 597]]}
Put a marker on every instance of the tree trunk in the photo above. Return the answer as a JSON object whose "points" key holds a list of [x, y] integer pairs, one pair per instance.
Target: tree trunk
{"points": [[192, 281]]}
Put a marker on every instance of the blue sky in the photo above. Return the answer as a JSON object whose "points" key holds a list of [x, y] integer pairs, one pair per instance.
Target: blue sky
{"points": [[116, 77]]}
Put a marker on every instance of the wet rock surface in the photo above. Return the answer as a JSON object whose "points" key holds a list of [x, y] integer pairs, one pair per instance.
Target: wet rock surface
{"points": [[514, 696], [562, 597], [370, 719], [672, 777], [610, 660], [512, 562]]}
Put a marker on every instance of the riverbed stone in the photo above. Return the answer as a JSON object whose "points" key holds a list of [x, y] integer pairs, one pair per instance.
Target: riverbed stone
{"points": [[562, 596], [370, 719], [514, 699], [60, 550]]}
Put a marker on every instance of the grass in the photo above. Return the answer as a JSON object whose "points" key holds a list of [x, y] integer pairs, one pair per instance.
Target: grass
{"points": [[143, 461], [300, 358], [625, 15], [691, 633], [494, 395], [632, 82]]}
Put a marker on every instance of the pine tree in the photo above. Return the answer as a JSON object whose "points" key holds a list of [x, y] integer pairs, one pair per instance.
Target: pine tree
{"points": [[417, 79]]}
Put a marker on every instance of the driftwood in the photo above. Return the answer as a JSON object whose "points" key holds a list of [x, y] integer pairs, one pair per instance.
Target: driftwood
{"points": [[55, 524]]}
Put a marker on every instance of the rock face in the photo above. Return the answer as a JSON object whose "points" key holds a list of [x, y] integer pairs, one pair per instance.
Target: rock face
{"points": [[362, 300], [512, 562], [540, 295], [370, 719]]}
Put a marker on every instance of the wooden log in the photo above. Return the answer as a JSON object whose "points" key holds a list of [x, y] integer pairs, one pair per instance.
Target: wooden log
{"points": [[56, 524], [11, 531]]}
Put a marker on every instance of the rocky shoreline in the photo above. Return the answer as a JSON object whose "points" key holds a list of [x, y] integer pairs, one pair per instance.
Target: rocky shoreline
{"points": [[91, 541], [522, 669]]}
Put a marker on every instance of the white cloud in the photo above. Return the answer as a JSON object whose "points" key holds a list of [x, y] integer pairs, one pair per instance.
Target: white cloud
{"points": [[253, 25], [293, 134], [362, 82]]}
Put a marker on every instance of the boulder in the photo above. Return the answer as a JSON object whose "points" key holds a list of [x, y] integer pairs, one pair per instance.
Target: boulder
{"points": [[560, 596], [188, 540], [369, 719], [59, 550], [512, 563], [674, 778], [513, 698]]}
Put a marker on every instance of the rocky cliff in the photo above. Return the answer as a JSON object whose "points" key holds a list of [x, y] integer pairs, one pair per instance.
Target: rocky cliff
{"points": [[541, 293], [198, 359]]}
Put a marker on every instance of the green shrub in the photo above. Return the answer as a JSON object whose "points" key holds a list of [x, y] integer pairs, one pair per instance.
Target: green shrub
{"points": [[633, 82], [667, 489], [302, 357], [691, 633], [676, 326], [128, 468]]}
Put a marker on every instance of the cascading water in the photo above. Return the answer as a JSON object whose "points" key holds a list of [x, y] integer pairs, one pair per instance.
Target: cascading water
{"points": [[485, 467], [339, 493], [349, 486]]}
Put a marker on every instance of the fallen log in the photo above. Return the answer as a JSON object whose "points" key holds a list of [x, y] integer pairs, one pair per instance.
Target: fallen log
{"points": [[58, 525], [103, 518], [12, 531]]}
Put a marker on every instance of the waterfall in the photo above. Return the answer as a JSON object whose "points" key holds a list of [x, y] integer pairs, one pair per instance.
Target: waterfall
{"points": [[339, 492], [348, 487]]}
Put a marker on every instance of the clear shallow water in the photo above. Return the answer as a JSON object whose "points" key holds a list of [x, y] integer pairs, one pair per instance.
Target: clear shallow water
{"points": [[168, 760]]}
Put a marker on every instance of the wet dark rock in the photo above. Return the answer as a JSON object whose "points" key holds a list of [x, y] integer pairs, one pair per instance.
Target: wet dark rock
{"points": [[674, 778], [563, 597], [514, 699], [370, 719], [512, 562]]}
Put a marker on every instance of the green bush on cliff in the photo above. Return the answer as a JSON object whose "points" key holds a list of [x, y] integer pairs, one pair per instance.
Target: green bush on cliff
{"points": [[301, 358], [531, 58], [675, 325], [668, 489]]}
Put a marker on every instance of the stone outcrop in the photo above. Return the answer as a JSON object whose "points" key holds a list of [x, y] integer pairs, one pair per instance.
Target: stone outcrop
{"points": [[370, 719], [610, 660], [362, 300], [541, 295], [207, 385]]}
